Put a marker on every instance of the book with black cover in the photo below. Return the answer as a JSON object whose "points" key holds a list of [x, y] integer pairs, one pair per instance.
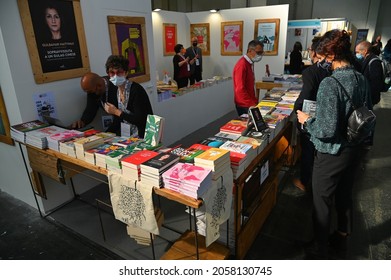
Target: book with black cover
{"points": [[159, 163], [257, 119]]}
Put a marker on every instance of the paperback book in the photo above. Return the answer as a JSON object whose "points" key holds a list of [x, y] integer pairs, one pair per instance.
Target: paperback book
{"points": [[154, 130], [18, 131], [159, 163]]}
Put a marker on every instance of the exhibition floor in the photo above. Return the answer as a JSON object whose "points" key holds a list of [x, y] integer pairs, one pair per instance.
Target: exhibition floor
{"points": [[74, 232]]}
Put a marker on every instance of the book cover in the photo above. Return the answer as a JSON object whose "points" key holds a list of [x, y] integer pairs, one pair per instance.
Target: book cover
{"points": [[159, 162], [213, 141], [212, 156], [234, 126], [229, 136], [187, 173], [28, 126], [309, 107], [237, 147], [138, 158], [153, 130]]}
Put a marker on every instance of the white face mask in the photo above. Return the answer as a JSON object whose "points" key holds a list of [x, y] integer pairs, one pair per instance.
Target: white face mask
{"points": [[257, 58], [117, 80]]}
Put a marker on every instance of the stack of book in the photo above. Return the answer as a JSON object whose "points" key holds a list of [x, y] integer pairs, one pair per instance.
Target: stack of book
{"points": [[236, 126], [188, 179], [131, 164], [89, 155], [114, 158], [187, 155], [38, 137], [229, 136], [152, 169], [68, 146], [240, 155], [100, 154], [154, 130], [88, 142], [126, 141], [216, 159], [55, 139], [18, 131], [141, 236], [258, 143]]}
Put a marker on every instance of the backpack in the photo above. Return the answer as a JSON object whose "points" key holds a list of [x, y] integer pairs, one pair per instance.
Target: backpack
{"points": [[386, 72], [361, 121]]}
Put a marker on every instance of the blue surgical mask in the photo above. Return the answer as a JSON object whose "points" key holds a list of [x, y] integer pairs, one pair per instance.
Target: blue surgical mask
{"points": [[325, 64], [117, 80], [359, 56], [257, 58]]}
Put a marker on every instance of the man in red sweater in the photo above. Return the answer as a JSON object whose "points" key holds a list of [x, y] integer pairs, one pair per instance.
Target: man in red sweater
{"points": [[244, 79]]}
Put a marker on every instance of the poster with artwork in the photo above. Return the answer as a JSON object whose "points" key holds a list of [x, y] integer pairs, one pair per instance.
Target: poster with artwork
{"points": [[267, 31], [45, 105]]}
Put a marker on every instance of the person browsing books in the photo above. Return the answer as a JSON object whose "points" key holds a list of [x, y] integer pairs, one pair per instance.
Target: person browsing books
{"points": [[336, 160], [133, 105], [99, 91], [244, 79], [312, 76]]}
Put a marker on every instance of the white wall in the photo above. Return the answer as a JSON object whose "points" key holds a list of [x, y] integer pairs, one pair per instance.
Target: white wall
{"points": [[183, 114], [216, 64]]}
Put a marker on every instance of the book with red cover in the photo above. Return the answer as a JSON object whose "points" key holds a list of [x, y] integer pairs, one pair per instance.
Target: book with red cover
{"points": [[138, 158], [234, 126]]}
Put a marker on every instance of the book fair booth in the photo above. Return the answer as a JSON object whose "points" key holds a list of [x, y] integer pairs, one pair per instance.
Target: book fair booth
{"points": [[214, 192]]}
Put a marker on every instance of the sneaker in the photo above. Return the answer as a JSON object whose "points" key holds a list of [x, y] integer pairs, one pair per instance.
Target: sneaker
{"points": [[298, 184]]}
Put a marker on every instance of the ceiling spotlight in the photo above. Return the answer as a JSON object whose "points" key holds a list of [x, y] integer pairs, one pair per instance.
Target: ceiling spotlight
{"points": [[214, 10], [156, 10]]}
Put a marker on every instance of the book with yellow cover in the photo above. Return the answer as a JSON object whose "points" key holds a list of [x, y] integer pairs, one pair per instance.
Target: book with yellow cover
{"points": [[213, 156]]}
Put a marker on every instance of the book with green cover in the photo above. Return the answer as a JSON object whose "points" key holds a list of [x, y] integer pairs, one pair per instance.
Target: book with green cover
{"points": [[153, 130]]}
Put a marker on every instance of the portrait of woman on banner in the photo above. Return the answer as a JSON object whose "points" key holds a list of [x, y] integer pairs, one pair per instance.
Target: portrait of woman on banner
{"points": [[56, 35]]}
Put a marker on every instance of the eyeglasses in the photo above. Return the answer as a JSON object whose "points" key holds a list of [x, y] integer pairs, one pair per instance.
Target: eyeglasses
{"points": [[258, 52], [118, 72]]}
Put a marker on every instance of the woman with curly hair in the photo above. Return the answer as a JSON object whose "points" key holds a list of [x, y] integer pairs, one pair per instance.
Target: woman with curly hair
{"points": [[336, 159]]}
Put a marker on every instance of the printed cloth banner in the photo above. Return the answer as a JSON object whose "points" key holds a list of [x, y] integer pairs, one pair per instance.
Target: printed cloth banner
{"points": [[216, 208], [132, 202]]}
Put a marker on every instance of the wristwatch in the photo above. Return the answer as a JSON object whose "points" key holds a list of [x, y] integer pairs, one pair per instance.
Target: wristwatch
{"points": [[306, 121]]}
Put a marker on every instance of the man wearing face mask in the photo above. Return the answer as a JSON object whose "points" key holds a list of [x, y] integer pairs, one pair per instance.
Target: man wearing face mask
{"points": [[244, 78], [99, 91], [133, 106], [371, 68], [195, 53]]}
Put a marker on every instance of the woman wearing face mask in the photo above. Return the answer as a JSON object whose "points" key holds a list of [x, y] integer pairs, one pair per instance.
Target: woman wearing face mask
{"points": [[335, 159], [133, 106]]}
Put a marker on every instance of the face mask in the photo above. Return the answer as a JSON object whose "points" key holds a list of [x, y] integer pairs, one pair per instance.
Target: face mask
{"points": [[117, 80], [359, 56], [195, 44], [257, 58], [324, 64]]}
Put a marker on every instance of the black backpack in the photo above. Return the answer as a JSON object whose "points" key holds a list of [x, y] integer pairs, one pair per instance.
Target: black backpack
{"points": [[361, 121], [386, 72]]}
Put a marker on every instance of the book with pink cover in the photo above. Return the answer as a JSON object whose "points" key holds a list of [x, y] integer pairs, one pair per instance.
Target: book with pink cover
{"points": [[189, 173]]}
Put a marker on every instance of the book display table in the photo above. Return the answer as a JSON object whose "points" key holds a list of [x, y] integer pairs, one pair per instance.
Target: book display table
{"points": [[254, 194]]}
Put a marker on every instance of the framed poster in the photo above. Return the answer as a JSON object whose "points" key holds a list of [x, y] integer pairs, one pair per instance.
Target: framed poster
{"points": [[169, 38], [5, 134], [55, 39], [232, 38], [361, 36], [201, 31], [267, 31], [128, 37]]}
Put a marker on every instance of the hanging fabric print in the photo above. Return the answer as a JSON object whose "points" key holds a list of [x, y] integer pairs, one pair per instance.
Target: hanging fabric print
{"points": [[132, 202]]}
